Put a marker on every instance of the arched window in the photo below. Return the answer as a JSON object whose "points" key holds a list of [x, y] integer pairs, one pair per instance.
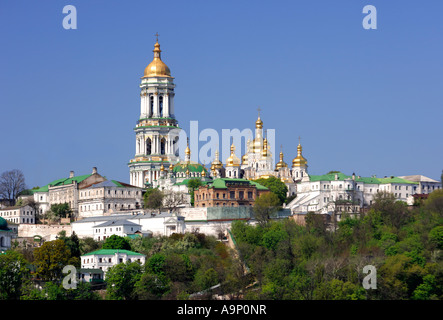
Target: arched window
{"points": [[151, 105], [148, 146]]}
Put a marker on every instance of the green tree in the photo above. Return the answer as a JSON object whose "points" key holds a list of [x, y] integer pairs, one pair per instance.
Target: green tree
{"points": [[153, 199], [121, 280], [192, 185], [13, 272], [50, 259], [276, 186], [116, 242], [436, 236], [151, 286], [265, 206], [61, 210]]}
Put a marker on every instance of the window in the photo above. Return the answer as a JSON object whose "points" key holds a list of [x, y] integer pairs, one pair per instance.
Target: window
{"points": [[250, 194], [241, 195], [232, 194]]}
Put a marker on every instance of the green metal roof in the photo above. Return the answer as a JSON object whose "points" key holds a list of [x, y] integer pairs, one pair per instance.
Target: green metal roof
{"points": [[220, 183], [112, 252], [367, 180], [61, 182], [191, 166]]}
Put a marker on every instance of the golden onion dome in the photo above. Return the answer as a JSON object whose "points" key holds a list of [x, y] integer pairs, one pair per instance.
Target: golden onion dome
{"points": [[281, 163], [244, 159], [188, 151], [216, 164], [162, 168], [171, 167], [259, 123], [299, 161], [157, 68], [233, 160]]}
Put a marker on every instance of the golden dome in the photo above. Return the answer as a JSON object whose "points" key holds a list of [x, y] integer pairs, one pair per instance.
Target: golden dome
{"points": [[157, 68], [299, 161], [162, 168], [259, 123], [216, 164], [244, 159], [233, 160], [188, 151], [171, 167], [281, 163]]}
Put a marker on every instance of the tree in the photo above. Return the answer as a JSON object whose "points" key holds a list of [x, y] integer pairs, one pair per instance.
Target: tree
{"points": [[116, 242], [13, 272], [172, 200], [121, 280], [11, 184], [153, 199], [50, 259], [192, 185], [276, 186], [61, 210], [265, 206], [73, 243]]}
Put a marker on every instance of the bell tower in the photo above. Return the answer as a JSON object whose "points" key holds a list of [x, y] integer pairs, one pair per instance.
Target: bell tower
{"points": [[157, 130]]}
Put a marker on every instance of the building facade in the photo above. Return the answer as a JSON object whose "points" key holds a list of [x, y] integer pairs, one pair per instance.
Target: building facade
{"points": [[18, 214], [106, 258], [108, 197], [228, 192]]}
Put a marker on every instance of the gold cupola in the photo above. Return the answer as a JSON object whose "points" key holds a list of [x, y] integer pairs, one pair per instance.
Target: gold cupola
{"points": [[281, 163], [216, 164], [259, 123], [299, 161], [233, 160], [157, 68]]}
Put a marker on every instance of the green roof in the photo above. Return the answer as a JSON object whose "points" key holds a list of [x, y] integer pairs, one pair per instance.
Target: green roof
{"points": [[367, 180], [185, 182], [220, 183], [61, 182], [191, 166], [112, 252]]}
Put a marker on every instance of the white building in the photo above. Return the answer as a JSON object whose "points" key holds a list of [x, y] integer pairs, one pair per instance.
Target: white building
{"points": [[163, 224], [18, 214], [424, 185], [322, 193], [106, 258], [107, 197], [119, 227]]}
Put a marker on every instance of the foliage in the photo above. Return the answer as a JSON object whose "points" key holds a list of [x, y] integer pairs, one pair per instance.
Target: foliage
{"points": [[265, 206], [50, 259], [153, 199], [289, 261], [60, 210], [13, 273], [116, 242], [121, 280], [276, 186]]}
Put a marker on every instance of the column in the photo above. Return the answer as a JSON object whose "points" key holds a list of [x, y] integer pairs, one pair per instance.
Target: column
{"points": [[166, 105], [156, 113]]}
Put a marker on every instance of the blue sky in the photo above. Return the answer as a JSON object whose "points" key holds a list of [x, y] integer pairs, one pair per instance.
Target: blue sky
{"points": [[363, 101]]}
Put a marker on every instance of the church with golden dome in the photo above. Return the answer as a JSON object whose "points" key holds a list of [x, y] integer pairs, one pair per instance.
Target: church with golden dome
{"points": [[156, 162]]}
